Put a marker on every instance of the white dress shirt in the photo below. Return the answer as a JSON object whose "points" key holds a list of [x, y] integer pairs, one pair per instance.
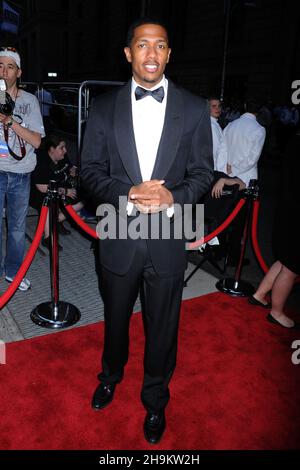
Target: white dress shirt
{"points": [[219, 146], [148, 116], [244, 140]]}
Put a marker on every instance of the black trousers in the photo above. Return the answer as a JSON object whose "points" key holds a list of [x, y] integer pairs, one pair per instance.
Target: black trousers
{"points": [[161, 301]]}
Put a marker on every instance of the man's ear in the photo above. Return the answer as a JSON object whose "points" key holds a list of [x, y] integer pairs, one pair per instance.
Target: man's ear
{"points": [[169, 55], [127, 53], [19, 73]]}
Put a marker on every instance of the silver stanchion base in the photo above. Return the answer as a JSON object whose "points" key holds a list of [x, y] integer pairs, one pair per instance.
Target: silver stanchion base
{"points": [[233, 287], [48, 315]]}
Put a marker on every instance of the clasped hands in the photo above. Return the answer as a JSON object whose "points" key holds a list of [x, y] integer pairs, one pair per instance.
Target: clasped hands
{"points": [[151, 197]]}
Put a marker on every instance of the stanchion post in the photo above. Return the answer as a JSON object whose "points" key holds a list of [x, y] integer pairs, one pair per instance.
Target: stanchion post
{"points": [[54, 258], [54, 314], [236, 286]]}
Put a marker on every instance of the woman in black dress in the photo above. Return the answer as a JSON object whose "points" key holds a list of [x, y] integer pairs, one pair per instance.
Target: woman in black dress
{"points": [[281, 276], [53, 164]]}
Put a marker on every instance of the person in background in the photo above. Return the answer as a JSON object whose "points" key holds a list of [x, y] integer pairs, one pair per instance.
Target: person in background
{"points": [[218, 204], [244, 138], [219, 144], [279, 280], [214, 203], [225, 180], [53, 164], [20, 135], [281, 277], [232, 111]]}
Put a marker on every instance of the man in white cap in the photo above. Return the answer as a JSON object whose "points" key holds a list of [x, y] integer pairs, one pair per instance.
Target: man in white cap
{"points": [[21, 129]]}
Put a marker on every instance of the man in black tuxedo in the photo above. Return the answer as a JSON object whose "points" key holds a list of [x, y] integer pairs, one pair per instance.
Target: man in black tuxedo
{"points": [[151, 143]]}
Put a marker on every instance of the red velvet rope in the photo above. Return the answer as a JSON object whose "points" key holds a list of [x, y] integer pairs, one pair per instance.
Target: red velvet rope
{"points": [[27, 260], [191, 246], [80, 222], [261, 261], [219, 229]]}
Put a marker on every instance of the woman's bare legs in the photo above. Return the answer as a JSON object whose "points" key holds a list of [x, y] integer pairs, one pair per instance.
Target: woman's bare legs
{"points": [[282, 287], [267, 282]]}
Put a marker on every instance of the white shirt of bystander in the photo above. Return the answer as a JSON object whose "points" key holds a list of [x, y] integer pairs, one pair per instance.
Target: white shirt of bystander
{"points": [[244, 139]]}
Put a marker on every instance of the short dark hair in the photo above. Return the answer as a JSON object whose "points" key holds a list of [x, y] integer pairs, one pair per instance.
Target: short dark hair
{"points": [[252, 105], [213, 97], [51, 140], [141, 22]]}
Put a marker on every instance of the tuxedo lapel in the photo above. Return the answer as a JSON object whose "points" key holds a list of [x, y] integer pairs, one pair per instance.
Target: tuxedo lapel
{"points": [[171, 134], [124, 134]]}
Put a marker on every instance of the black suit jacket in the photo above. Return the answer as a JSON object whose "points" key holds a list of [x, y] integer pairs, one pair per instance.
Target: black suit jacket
{"points": [[110, 167]]}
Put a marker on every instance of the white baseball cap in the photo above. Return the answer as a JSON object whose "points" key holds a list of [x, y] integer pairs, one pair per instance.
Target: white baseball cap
{"points": [[12, 53]]}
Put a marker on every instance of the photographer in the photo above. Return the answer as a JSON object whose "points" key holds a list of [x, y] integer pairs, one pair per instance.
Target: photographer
{"points": [[21, 129], [53, 164]]}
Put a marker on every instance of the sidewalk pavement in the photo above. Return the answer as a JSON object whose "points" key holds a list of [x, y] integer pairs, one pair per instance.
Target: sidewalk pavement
{"points": [[78, 284]]}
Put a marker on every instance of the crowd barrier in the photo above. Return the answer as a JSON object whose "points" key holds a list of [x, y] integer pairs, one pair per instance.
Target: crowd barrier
{"points": [[57, 314]]}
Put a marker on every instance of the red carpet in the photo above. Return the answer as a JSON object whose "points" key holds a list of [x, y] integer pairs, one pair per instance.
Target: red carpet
{"points": [[235, 386]]}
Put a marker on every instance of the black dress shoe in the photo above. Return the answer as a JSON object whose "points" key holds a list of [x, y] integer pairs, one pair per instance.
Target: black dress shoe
{"points": [[271, 319], [154, 426], [253, 301], [103, 395]]}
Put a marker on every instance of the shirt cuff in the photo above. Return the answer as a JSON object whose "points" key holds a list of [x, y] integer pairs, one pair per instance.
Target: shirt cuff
{"points": [[129, 208], [170, 211]]}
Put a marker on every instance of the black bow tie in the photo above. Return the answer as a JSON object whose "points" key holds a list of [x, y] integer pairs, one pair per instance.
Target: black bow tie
{"points": [[157, 94]]}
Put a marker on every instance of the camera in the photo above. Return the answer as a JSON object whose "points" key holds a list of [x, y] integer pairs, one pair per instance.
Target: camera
{"points": [[6, 102], [63, 178]]}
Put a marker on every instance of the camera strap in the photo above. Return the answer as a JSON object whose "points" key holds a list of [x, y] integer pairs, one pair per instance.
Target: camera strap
{"points": [[21, 143]]}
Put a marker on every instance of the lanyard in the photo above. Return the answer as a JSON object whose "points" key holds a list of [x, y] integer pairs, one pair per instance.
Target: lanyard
{"points": [[21, 142]]}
